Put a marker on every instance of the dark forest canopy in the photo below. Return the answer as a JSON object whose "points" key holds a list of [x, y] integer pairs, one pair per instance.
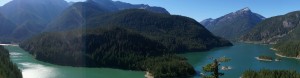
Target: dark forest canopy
{"points": [[264, 73], [89, 35], [177, 33], [7, 68], [107, 47]]}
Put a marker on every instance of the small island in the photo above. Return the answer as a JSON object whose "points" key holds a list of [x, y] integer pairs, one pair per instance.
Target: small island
{"points": [[264, 58], [223, 59]]}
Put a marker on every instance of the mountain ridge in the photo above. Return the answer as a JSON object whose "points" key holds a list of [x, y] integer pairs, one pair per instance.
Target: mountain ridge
{"points": [[31, 16], [233, 25]]}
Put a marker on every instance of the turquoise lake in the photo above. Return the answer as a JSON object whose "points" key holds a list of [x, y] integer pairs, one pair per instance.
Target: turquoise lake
{"points": [[242, 58]]}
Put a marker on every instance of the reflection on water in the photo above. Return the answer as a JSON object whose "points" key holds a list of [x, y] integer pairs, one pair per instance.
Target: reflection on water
{"points": [[15, 54], [242, 56], [31, 70]]}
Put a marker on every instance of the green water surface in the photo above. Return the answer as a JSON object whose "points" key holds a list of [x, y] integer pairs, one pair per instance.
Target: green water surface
{"points": [[242, 55]]}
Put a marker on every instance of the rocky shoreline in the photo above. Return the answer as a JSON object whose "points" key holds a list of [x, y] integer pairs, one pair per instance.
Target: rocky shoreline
{"points": [[280, 55]]}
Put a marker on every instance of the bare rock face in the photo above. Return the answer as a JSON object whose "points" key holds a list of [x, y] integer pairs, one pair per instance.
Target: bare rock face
{"points": [[287, 24]]}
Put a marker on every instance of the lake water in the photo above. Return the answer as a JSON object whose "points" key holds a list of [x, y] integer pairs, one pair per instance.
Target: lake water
{"points": [[32, 68], [242, 58]]}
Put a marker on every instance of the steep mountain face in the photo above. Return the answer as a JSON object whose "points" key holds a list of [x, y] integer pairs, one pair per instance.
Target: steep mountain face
{"points": [[273, 29], [6, 28], [233, 25], [32, 13], [283, 31], [76, 16]]}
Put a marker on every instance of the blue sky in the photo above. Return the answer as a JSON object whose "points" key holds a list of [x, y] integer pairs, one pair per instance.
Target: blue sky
{"points": [[202, 9]]}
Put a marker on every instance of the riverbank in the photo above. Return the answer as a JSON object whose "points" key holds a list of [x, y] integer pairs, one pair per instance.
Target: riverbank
{"points": [[280, 55]]}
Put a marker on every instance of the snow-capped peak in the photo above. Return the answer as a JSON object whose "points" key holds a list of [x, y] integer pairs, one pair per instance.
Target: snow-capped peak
{"points": [[243, 10], [246, 9]]}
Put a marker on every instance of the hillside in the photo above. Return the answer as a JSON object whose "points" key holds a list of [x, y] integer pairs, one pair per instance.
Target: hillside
{"points": [[233, 25], [6, 28], [7, 68], [107, 47], [31, 16], [177, 33], [290, 44], [273, 29], [282, 31], [76, 15]]}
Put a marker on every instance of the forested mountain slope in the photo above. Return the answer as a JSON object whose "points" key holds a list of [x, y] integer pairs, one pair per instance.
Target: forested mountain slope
{"points": [[7, 68]]}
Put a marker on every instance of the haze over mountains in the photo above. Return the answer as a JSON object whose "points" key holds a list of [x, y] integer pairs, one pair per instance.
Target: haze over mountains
{"points": [[6, 26], [32, 16], [114, 34], [77, 14], [104, 33], [233, 25]]}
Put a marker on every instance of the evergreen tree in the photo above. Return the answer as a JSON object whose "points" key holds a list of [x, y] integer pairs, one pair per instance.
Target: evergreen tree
{"points": [[214, 69]]}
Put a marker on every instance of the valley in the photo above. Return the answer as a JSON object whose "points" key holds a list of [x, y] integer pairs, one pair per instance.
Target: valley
{"points": [[238, 54], [116, 39]]}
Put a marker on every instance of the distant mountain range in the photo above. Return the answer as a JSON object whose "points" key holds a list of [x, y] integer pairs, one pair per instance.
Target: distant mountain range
{"points": [[233, 25], [105, 33], [245, 26], [155, 25], [32, 16], [77, 14], [89, 35], [6, 28]]}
